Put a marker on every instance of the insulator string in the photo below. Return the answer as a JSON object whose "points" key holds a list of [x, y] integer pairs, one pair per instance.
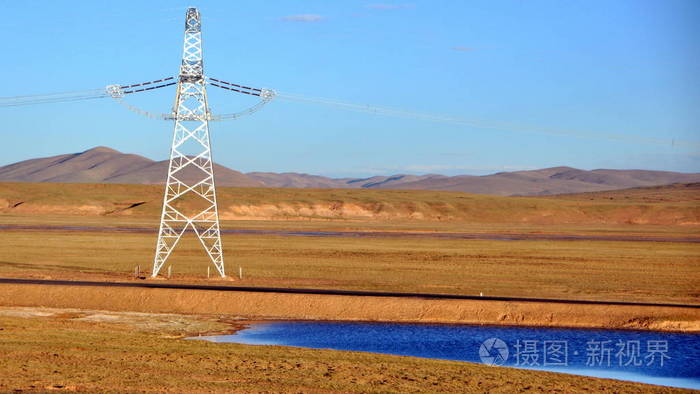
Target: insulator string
{"points": [[147, 83], [118, 94], [235, 90], [232, 84], [149, 88]]}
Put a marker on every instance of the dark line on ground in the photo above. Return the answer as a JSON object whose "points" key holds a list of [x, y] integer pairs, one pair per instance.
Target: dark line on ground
{"points": [[357, 293]]}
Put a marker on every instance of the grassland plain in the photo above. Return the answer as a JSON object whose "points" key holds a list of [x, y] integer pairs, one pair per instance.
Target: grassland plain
{"points": [[593, 270], [45, 353], [597, 270], [70, 351]]}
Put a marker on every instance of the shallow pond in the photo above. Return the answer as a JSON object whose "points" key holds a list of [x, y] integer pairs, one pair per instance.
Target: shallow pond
{"points": [[671, 359]]}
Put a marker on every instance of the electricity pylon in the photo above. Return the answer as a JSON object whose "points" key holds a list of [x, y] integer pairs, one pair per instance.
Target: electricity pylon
{"points": [[190, 194]]}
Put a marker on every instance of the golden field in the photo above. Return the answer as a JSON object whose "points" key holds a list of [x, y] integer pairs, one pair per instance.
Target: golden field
{"points": [[575, 269], [598, 270], [71, 350], [51, 352], [603, 269]]}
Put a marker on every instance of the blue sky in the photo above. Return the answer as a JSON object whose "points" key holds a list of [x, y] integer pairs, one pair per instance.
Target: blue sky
{"points": [[615, 81]]}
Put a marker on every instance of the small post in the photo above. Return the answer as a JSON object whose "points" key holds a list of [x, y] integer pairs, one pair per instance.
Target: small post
{"points": [[481, 294], [240, 272], [138, 271], [208, 269], [170, 271]]}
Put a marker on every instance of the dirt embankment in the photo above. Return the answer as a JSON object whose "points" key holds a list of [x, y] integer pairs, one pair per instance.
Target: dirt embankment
{"points": [[533, 213], [557, 214], [327, 210], [662, 206], [331, 307]]}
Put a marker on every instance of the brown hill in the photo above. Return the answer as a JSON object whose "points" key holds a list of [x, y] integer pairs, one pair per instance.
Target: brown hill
{"points": [[106, 165], [556, 180], [388, 182], [547, 181], [677, 192], [296, 180]]}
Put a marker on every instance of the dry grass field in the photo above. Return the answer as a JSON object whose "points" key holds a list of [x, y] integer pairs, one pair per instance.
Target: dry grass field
{"points": [[580, 269], [52, 352], [602, 270], [69, 351]]}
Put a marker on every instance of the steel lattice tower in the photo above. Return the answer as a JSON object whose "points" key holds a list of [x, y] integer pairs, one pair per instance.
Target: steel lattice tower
{"points": [[190, 194]]}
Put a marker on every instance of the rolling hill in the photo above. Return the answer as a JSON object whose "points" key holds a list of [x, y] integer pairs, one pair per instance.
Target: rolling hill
{"points": [[556, 180], [296, 180], [106, 165]]}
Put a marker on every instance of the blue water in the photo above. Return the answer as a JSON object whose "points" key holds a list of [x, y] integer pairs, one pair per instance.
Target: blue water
{"points": [[669, 359]]}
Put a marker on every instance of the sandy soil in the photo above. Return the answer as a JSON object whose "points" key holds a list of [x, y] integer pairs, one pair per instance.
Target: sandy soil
{"points": [[99, 351], [161, 322], [330, 307]]}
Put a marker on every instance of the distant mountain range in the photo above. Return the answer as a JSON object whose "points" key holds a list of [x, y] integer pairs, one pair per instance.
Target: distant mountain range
{"points": [[106, 165]]}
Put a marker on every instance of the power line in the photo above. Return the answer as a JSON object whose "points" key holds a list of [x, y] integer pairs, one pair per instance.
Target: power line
{"points": [[50, 98], [480, 124], [267, 95]]}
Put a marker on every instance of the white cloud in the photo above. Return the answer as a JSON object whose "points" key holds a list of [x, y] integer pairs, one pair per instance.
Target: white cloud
{"points": [[428, 168], [462, 49], [306, 18], [386, 6], [440, 167]]}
